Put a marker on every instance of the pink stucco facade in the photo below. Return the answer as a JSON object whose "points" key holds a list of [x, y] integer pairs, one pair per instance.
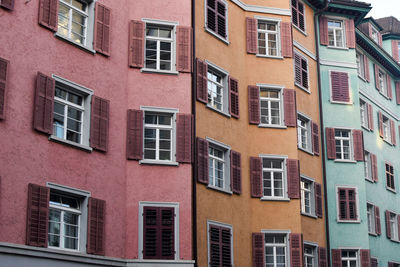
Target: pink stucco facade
{"points": [[27, 156]]}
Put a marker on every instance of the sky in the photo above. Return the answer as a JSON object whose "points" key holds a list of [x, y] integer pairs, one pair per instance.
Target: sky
{"points": [[384, 8]]}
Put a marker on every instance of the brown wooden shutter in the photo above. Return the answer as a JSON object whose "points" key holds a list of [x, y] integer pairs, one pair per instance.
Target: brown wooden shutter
{"points": [[330, 143], [258, 250], [184, 49], [251, 35], [221, 19], [289, 102], [369, 30], [378, 229], [398, 226], [336, 258], [322, 257], [340, 86], [286, 39], [136, 44], [398, 93], [184, 138], [96, 226], [380, 121], [102, 29], [166, 243], [201, 80], [389, 86], [343, 203], [99, 123], [323, 30], [297, 69], [37, 216], [44, 104], [379, 38], [365, 257], [352, 204], [134, 135], [202, 160], [358, 145], [296, 250], [370, 117], [315, 138], [151, 236], [7, 4], [374, 164], [293, 177], [214, 234], [226, 253], [48, 14], [256, 177], [236, 172], [376, 70], [391, 264], [395, 50], [388, 230], [233, 97], [393, 132], [366, 68], [254, 104], [3, 86], [374, 262], [318, 200], [350, 34]]}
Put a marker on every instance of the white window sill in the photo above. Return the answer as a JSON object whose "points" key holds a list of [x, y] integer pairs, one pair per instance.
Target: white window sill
{"points": [[366, 128], [219, 189], [300, 30], [65, 249], [70, 143], [373, 234], [395, 240], [369, 180], [272, 126], [171, 72], [83, 47], [275, 199], [158, 162], [391, 190], [219, 111], [302, 88], [348, 221], [306, 150], [362, 78], [385, 96], [338, 47], [268, 56], [387, 142], [309, 215], [340, 102], [345, 160], [225, 40]]}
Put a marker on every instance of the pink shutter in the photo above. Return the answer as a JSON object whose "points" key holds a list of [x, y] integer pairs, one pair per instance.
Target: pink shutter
{"points": [[134, 135], [358, 145], [398, 93], [136, 44], [370, 117], [226, 253], [369, 30], [365, 257], [286, 39], [395, 50], [258, 250], [366, 68], [202, 160], [44, 104], [388, 230], [151, 232], [380, 38], [256, 177], [214, 234], [236, 172], [48, 14], [102, 29], [318, 200], [99, 123], [201, 81], [336, 86], [377, 221], [323, 30], [3, 86], [166, 222], [376, 69], [184, 138], [322, 257], [380, 118], [7, 4], [393, 132], [374, 164], [37, 216], [350, 34], [374, 262], [289, 102], [293, 177], [315, 138], [296, 250], [251, 35], [398, 226], [330, 143], [336, 258], [233, 97], [96, 226], [254, 104], [184, 49], [389, 85]]}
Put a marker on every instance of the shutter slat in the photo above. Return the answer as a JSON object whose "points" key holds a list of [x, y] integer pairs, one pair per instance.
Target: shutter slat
{"points": [[7, 4], [184, 138], [202, 160], [378, 229], [315, 138], [350, 35], [366, 68], [256, 177], [201, 81], [184, 49], [289, 102], [37, 216], [365, 257], [370, 117], [258, 250], [136, 44], [3, 86], [44, 104], [293, 176], [233, 97], [395, 50], [330, 143], [296, 250], [254, 104], [286, 39], [99, 123], [374, 164], [323, 30], [322, 257], [318, 200], [358, 145], [236, 172], [388, 230], [102, 29], [251, 36], [393, 132], [48, 14], [336, 258], [96, 226], [134, 136]]}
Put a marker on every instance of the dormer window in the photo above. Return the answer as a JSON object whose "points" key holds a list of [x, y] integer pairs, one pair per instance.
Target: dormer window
{"points": [[375, 34]]}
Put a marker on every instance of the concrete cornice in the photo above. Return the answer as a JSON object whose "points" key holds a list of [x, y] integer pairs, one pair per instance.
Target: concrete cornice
{"points": [[262, 9]]}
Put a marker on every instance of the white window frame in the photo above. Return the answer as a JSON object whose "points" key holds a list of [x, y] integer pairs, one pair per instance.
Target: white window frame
{"points": [[374, 34], [351, 149], [364, 114], [304, 178], [278, 36], [225, 88], [314, 247], [394, 231], [371, 219], [174, 205], [342, 29], [220, 224], [284, 197], [287, 243], [348, 259], [225, 40], [227, 165], [368, 166], [358, 220], [159, 110], [360, 64], [387, 133], [281, 105], [383, 87], [394, 177], [308, 129]]}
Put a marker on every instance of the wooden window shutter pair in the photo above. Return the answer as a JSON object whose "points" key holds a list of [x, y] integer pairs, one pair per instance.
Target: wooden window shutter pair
{"points": [[43, 113], [48, 18], [220, 246], [37, 220], [389, 233], [340, 89], [4, 69], [358, 144], [347, 204], [298, 14], [7, 4], [216, 17], [365, 258], [349, 28], [300, 71]]}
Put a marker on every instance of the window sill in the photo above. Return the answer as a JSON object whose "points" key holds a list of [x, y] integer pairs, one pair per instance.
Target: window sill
{"points": [[306, 151], [70, 143], [272, 126], [225, 40], [300, 30], [85, 48], [385, 96], [366, 128], [303, 88], [348, 221], [158, 162], [369, 180], [309, 215], [267, 56], [391, 190], [362, 78], [275, 199], [345, 161], [340, 102], [373, 234], [219, 189], [394, 240], [337, 47], [219, 111], [387, 142], [170, 72]]}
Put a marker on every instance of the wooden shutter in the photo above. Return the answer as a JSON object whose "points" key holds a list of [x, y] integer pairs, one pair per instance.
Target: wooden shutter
{"points": [[369, 30], [336, 258], [96, 226], [99, 123], [37, 216], [358, 145], [286, 39], [378, 229], [254, 104], [376, 70], [251, 35], [389, 86], [322, 257], [352, 204], [398, 93], [214, 234], [202, 160], [297, 69], [226, 253], [323, 30], [136, 44], [151, 236], [366, 68], [293, 177], [398, 226], [391, 264], [134, 135], [393, 132], [388, 230], [236, 172], [300, 8], [3, 86], [380, 118], [374, 164], [212, 15], [256, 177], [44, 104], [289, 102], [315, 138], [102, 29], [184, 138], [7, 4], [201, 81], [365, 257], [233, 97], [183, 49], [221, 19], [374, 262], [318, 199], [166, 245], [296, 250], [350, 34], [370, 117], [258, 250], [48, 14], [379, 38], [330, 143], [340, 86], [395, 50], [343, 204]]}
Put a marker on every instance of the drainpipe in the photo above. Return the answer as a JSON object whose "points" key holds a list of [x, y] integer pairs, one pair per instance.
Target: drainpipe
{"points": [[316, 14]]}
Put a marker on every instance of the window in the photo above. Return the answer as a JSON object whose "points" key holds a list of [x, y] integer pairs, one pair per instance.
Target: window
{"points": [[340, 88], [371, 218], [343, 144], [271, 110], [276, 247], [219, 244], [298, 15], [268, 38], [310, 255], [386, 129], [304, 133], [389, 173], [307, 197], [274, 184], [368, 166], [394, 227], [349, 258], [382, 82], [336, 33], [159, 47], [374, 34], [301, 71], [216, 18], [364, 114], [347, 204], [360, 64], [73, 20], [217, 87], [219, 167]]}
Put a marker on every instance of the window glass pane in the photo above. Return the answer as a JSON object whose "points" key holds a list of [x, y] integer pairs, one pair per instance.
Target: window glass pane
{"points": [[53, 240], [79, 5], [151, 31], [73, 136], [71, 243], [164, 119], [165, 155]]}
